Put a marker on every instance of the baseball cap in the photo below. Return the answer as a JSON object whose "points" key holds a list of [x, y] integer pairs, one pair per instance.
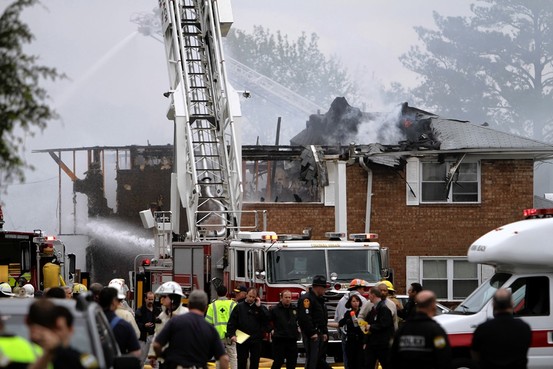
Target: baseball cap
{"points": [[241, 288]]}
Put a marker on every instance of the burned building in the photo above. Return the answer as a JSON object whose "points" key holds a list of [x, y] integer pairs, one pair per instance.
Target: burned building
{"points": [[429, 186]]}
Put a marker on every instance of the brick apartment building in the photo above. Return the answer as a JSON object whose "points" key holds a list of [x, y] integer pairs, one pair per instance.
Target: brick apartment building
{"points": [[427, 197]]}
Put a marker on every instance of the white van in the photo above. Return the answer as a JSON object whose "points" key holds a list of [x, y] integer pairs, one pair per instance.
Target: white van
{"points": [[522, 253]]}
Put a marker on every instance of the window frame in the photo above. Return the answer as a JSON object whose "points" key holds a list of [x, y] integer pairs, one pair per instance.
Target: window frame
{"points": [[450, 261], [450, 198]]}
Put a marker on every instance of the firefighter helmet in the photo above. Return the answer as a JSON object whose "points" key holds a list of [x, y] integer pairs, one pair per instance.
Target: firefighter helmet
{"points": [[27, 291], [6, 290], [119, 285], [356, 283], [79, 288], [389, 285], [169, 288]]}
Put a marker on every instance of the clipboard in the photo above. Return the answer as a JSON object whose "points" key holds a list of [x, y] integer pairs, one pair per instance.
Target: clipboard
{"points": [[241, 337]]}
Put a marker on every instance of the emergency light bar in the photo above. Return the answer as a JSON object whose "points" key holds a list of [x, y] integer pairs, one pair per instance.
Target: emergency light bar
{"points": [[44, 239], [359, 237], [257, 236], [269, 237], [537, 213], [335, 235]]}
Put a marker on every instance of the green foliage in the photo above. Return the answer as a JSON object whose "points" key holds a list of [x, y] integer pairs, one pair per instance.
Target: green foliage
{"points": [[22, 101], [298, 65], [495, 66]]}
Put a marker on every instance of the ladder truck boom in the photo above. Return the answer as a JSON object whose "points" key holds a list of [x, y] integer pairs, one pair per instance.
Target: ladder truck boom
{"points": [[207, 177]]}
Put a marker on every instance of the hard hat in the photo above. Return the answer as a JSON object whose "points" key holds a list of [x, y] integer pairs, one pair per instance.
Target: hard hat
{"points": [[389, 285], [169, 288], [357, 283], [27, 291], [5, 289], [118, 284], [79, 288]]}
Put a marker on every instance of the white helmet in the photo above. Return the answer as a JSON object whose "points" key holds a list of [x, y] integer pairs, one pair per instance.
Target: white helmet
{"points": [[169, 288], [27, 291], [119, 285], [5, 289]]}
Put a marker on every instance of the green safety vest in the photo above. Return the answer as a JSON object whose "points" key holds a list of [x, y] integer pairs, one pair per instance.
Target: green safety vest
{"points": [[218, 315], [14, 349]]}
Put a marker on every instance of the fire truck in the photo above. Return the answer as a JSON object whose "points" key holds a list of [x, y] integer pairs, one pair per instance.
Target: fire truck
{"points": [[32, 257], [223, 243], [521, 255]]}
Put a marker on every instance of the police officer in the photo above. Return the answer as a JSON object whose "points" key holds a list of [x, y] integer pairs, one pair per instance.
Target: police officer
{"points": [[218, 315], [313, 320], [421, 342], [285, 332]]}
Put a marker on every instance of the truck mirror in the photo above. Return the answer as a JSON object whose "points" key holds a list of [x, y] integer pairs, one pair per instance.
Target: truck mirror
{"points": [[72, 263], [384, 259], [25, 256], [259, 265]]}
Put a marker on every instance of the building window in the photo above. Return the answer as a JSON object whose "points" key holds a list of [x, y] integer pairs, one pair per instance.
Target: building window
{"points": [[279, 181], [450, 278], [437, 186]]}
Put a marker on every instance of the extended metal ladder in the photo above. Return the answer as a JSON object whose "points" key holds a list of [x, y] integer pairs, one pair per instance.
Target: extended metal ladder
{"points": [[207, 160]]}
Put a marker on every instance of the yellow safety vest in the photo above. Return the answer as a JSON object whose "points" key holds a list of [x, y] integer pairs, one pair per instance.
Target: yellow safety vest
{"points": [[218, 315], [14, 349]]}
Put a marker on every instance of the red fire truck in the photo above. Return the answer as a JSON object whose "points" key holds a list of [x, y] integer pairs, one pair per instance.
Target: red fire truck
{"points": [[31, 257]]}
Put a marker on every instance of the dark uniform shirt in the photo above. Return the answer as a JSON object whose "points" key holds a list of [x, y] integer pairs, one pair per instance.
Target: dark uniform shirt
{"points": [[502, 342], [284, 321], [381, 325], [124, 334], [250, 319], [421, 343], [192, 341], [143, 316], [69, 358], [409, 310], [312, 314]]}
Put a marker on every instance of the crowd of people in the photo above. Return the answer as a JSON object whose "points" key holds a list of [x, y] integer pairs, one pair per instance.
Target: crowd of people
{"points": [[374, 326]]}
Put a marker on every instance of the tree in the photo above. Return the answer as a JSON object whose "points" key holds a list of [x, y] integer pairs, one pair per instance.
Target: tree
{"points": [[495, 66], [298, 65], [23, 105]]}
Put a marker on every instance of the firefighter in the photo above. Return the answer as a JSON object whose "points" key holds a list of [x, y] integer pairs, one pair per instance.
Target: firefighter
{"points": [[79, 288], [27, 291], [170, 296], [121, 311]]}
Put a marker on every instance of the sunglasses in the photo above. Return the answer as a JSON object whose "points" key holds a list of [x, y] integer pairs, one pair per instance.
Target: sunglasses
{"points": [[162, 296]]}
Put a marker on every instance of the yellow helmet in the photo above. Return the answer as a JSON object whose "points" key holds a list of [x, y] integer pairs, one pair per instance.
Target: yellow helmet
{"points": [[79, 288], [389, 285]]}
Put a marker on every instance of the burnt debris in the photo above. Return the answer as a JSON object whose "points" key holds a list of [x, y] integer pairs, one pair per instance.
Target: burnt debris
{"points": [[406, 129]]}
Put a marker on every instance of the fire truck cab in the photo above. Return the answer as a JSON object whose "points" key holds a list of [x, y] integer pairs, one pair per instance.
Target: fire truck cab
{"points": [[39, 260], [522, 254]]}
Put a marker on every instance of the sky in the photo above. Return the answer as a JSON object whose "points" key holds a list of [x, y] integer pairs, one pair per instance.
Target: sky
{"points": [[113, 95]]}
